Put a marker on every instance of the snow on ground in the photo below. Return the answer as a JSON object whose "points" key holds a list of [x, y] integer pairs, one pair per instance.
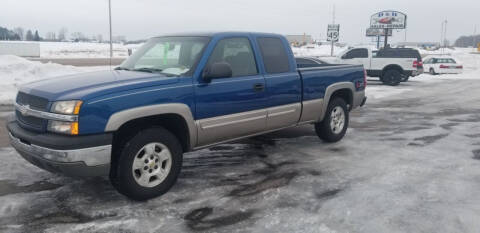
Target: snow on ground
{"points": [[80, 49], [410, 163], [15, 71]]}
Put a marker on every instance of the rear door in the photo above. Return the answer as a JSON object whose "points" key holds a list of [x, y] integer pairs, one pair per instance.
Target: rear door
{"points": [[283, 82], [357, 56], [234, 106]]}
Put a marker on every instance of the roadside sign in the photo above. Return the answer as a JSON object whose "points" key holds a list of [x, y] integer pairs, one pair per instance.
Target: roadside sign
{"points": [[388, 19], [374, 32], [333, 32]]}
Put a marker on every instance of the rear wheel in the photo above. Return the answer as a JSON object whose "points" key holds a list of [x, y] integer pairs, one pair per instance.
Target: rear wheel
{"points": [[149, 164], [335, 124], [392, 77]]}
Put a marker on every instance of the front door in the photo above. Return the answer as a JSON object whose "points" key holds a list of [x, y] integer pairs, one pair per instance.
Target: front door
{"points": [[231, 107]]}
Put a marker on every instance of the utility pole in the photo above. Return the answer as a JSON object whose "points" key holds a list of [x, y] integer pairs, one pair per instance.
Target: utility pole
{"points": [[386, 38], [333, 22], [473, 37], [110, 23]]}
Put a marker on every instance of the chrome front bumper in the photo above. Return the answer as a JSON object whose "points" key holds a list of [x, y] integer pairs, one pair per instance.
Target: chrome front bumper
{"points": [[93, 161]]}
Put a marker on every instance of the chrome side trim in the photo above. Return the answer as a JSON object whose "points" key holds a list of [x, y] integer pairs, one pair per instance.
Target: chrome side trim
{"points": [[92, 156], [25, 110], [118, 119], [241, 137], [231, 122], [312, 111]]}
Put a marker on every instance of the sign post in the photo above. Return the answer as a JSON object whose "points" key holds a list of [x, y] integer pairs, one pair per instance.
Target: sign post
{"points": [[387, 20], [333, 34], [378, 34]]}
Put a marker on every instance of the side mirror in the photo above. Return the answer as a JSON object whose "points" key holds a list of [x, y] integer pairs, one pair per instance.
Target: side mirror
{"points": [[344, 57], [217, 70]]}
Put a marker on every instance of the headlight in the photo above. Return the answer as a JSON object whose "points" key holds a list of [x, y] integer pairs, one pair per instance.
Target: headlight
{"points": [[71, 107], [63, 127]]}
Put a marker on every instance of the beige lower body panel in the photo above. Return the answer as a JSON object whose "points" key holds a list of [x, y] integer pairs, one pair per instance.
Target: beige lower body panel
{"points": [[283, 116], [230, 126], [312, 110], [225, 128]]}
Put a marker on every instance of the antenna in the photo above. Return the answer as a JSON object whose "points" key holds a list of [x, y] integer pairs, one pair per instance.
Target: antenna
{"points": [[110, 23]]}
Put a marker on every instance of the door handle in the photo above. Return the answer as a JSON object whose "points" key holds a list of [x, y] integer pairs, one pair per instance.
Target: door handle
{"points": [[258, 87]]}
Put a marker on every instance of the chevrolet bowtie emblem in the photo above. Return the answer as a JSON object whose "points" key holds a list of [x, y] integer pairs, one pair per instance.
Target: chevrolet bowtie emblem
{"points": [[24, 109]]}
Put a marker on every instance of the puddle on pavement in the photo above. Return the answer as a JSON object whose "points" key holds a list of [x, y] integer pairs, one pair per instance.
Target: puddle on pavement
{"points": [[476, 154], [10, 187], [199, 220], [328, 194], [428, 139]]}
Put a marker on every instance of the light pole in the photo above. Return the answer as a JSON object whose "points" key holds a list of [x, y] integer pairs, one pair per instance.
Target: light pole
{"points": [[110, 24]]}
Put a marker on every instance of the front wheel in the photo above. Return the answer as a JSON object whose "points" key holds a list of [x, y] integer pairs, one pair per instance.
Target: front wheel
{"points": [[335, 124], [148, 165], [432, 71]]}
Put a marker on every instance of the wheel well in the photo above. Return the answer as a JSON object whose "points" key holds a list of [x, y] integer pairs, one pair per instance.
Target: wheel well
{"points": [[345, 94], [392, 67], [174, 123]]}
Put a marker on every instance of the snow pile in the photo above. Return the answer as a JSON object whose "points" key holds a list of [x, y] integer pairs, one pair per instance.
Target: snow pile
{"points": [[15, 71], [81, 50], [314, 50]]}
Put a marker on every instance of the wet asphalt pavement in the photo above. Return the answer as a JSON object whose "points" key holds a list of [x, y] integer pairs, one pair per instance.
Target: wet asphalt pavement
{"points": [[409, 163]]}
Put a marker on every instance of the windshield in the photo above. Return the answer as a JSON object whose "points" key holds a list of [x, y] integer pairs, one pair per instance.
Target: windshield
{"points": [[167, 55]]}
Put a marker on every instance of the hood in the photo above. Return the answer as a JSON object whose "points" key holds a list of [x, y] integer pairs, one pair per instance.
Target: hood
{"points": [[89, 85]]}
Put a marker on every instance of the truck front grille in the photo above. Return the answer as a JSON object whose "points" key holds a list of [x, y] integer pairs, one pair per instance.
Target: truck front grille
{"points": [[34, 122], [34, 102]]}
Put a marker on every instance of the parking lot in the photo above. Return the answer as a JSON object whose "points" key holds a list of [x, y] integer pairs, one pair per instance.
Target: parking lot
{"points": [[409, 163]]}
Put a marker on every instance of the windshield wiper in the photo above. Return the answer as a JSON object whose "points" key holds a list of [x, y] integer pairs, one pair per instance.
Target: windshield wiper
{"points": [[146, 69], [121, 68]]}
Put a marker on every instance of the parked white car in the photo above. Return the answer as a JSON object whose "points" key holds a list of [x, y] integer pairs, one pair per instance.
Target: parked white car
{"points": [[442, 65]]}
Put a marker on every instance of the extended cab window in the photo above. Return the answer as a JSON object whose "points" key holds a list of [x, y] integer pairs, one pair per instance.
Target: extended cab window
{"points": [[274, 55], [356, 53], [168, 55], [238, 53]]}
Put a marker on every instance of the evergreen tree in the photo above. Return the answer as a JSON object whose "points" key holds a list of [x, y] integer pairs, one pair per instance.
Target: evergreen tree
{"points": [[29, 36], [36, 37]]}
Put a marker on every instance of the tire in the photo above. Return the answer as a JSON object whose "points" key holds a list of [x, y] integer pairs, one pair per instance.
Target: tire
{"points": [[432, 71], [392, 77], [149, 164], [325, 129]]}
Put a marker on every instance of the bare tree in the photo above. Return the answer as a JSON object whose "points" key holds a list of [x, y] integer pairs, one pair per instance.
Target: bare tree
{"points": [[20, 32], [78, 36], [50, 36], [62, 34]]}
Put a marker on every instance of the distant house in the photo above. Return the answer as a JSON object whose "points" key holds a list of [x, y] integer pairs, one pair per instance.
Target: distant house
{"points": [[299, 40]]}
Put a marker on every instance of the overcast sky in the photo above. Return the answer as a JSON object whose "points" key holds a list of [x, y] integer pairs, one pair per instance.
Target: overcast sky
{"points": [[138, 19]]}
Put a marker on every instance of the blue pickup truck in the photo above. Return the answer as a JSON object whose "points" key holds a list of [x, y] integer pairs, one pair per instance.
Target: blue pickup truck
{"points": [[175, 94]]}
